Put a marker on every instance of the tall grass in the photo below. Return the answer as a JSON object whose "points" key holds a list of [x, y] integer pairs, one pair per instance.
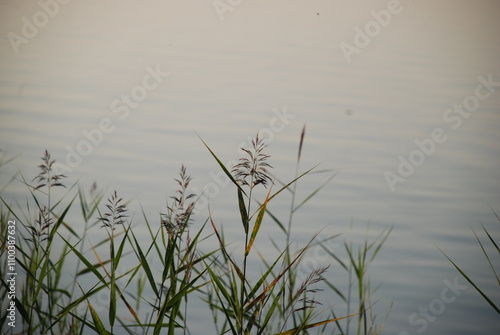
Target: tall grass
{"points": [[130, 284]]}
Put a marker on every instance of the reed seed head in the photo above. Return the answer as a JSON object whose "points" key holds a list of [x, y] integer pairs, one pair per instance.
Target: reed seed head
{"points": [[178, 214], [40, 230], [253, 170], [116, 212], [45, 177], [313, 278]]}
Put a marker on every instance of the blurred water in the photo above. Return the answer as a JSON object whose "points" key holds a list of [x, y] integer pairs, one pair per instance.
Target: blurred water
{"points": [[228, 79]]}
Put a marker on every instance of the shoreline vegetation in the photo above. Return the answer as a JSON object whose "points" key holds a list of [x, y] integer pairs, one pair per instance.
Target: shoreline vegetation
{"points": [[41, 249]]}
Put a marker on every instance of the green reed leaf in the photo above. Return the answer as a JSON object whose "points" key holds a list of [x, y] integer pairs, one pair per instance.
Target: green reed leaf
{"points": [[258, 222], [223, 167], [243, 211], [97, 321], [492, 304]]}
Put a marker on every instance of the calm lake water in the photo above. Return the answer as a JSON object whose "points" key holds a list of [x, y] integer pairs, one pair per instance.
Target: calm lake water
{"points": [[118, 92]]}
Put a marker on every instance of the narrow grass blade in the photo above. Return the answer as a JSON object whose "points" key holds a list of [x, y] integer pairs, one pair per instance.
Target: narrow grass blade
{"points": [[491, 239], [285, 271], [118, 255], [223, 249], [312, 325], [256, 287], [226, 171], [60, 219], [293, 181], [221, 289], [258, 222], [381, 240], [170, 303], [97, 321], [101, 262], [310, 196], [112, 301], [145, 265], [243, 211], [270, 312], [84, 260], [492, 304], [276, 220], [486, 254], [302, 134]]}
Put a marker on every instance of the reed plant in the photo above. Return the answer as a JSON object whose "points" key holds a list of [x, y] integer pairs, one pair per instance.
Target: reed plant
{"points": [[40, 289], [360, 292], [250, 304]]}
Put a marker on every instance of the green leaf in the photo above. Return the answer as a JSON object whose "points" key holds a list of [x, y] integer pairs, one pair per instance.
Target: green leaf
{"points": [[145, 266], [258, 222], [492, 304], [312, 325], [226, 171], [90, 267], [223, 249], [310, 196], [112, 301], [97, 321], [243, 211]]}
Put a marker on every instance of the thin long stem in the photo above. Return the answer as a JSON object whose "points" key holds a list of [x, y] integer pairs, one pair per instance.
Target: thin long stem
{"points": [[243, 287], [291, 278]]}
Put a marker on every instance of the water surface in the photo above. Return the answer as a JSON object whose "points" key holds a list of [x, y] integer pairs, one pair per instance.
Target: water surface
{"points": [[229, 79]]}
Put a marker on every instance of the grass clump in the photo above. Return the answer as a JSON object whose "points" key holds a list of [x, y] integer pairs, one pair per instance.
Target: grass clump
{"points": [[130, 284]]}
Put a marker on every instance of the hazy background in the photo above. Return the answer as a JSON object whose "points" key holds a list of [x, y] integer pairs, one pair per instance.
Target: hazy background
{"points": [[228, 79]]}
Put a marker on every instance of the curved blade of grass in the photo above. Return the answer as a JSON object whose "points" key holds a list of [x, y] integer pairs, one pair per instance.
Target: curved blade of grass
{"points": [[115, 259], [145, 265], [60, 219], [285, 271], [285, 187], [312, 325], [492, 304], [88, 212], [85, 261], [169, 303], [486, 254], [218, 285], [97, 321], [129, 306], [112, 301], [310, 196], [301, 142], [21, 309], [243, 211], [223, 167], [230, 314], [258, 222], [118, 255], [275, 304], [223, 248], [491, 239], [261, 280], [154, 235], [275, 219]]}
